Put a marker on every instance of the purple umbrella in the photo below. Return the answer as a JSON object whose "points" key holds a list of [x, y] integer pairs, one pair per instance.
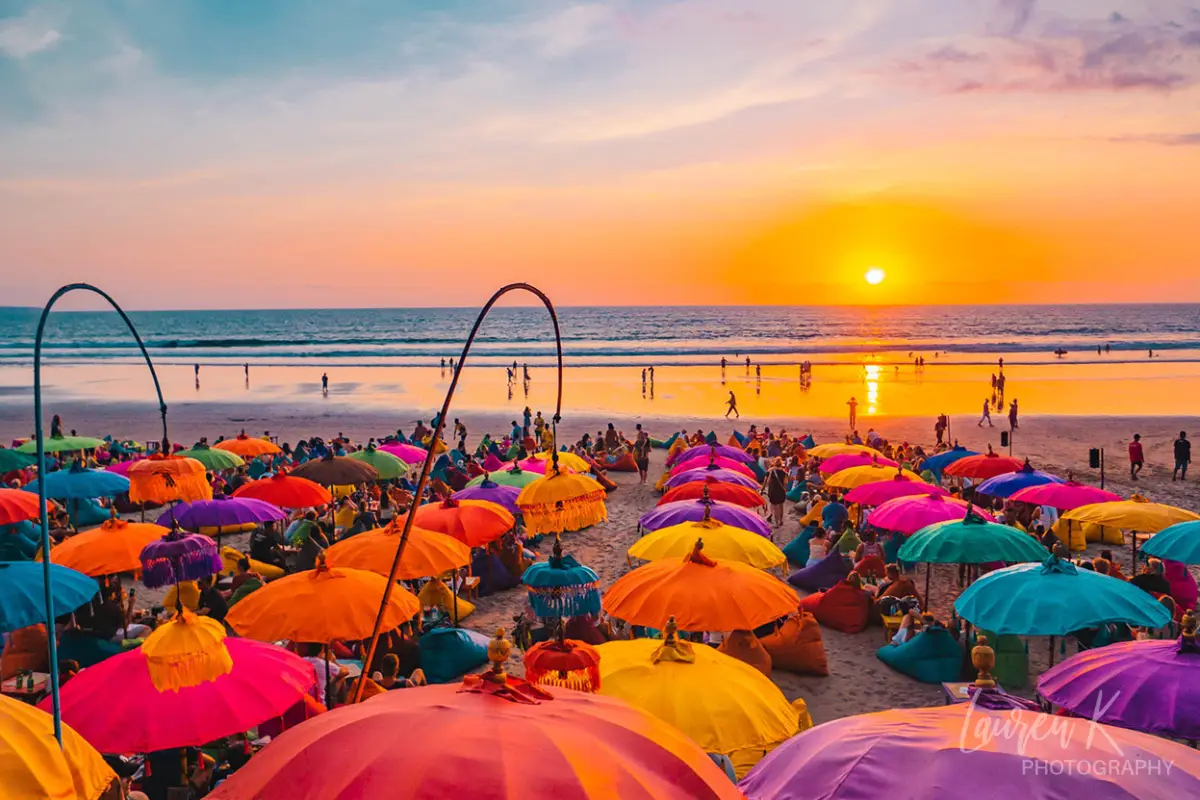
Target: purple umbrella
{"points": [[493, 493], [179, 556], [1150, 685], [715, 473], [706, 450], [221, 512], [966, 750], [693, 511]]}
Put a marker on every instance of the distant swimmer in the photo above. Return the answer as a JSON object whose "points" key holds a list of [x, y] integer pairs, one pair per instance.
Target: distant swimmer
{"points": [[324, 383], [1060, 352], [723, 364], [747, 365], [733, 409], [853, 412], [196, 367]]}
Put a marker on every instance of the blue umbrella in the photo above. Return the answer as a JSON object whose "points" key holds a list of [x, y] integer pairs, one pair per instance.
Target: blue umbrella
{"points": [[1055, 598], [562, 587], [23, 594], [936, 464], [78, 483], [1012, 482], [1179, 542]]}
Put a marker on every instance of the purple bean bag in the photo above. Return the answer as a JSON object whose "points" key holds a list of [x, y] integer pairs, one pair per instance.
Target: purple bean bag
{"points": [[823, 575], [493, 575]]}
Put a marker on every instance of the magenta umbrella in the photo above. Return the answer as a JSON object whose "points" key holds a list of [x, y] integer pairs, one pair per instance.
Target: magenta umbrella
{"points": [[711, 473], [847, 460], [879, 492], [1064, 496], [706, 461], [706, 450], [908, 515], [1150, 685], [122, 467], [966, 750], [408, 453]]}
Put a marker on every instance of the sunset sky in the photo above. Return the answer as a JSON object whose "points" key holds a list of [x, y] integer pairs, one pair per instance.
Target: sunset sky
{"points": [[297, 153]]}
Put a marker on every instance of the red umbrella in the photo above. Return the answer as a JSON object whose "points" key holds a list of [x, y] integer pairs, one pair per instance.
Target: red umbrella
{"points": [[286, 491], [475, 523], [17, 505], [982, 467], [724, 492]]}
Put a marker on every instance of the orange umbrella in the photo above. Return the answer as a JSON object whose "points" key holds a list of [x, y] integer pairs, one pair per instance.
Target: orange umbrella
{"points": [[426, 555], [113, 547], [161, 479], [475, 523], [702, 595], [724, 492], [286, 491], [320, 605], [17, 505], [248, 447]]}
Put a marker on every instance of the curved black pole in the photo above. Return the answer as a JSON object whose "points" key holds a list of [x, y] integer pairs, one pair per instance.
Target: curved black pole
{"points": [[41, 464], [437, 432]]}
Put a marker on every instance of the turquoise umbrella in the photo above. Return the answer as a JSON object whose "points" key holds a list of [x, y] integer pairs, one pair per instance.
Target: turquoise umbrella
{"points": [[78, 483], [65, 444], [23, 594], [13, 459], [1179, 542], [972, 540]]}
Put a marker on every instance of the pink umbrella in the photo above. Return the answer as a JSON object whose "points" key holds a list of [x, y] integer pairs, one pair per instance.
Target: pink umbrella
{"points": [[122, 467], [408, 453], [535, 465], [702, 461], [1064, 496], [879, 492], [908, 515], [847, 460]]}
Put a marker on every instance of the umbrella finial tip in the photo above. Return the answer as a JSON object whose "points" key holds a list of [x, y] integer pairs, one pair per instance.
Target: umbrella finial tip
{"points": [[983, 658]]}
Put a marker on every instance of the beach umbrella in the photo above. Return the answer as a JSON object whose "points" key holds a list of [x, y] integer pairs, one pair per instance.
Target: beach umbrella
{"points": [[64, 444], [702, 595], [331, 470], [112, 548], [879, 492], [869, 473], [562, 501], [911, 514], [1148, 685], [938, 462], [961, 750], [23, 593], [179, 557], [426, 555], [1134, 514], [320, 605], [982, 467], [1063, 496], [719, 462], [708, 474], [714, 490], [203, 687], [566, 663], [408, 453], [229, 513], [247, 447], [832, 449], [493, 737], [848, 460], [1055, 598], [213, 458], [504, 496], [122, 467], [561, 586], [1179, 542], [722, 542], [387, 466], [475, 523], [285, 491], [536, 466], [34, 767], [18, 506], [513, 476], [164, 479], [722, 704], [680, 511], [1010, 482], [710, 450], [79, 483], [971, 540], [566, 459], [12, 460]]}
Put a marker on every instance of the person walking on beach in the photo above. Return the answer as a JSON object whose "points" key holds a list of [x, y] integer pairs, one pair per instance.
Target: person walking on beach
{"points": [[1012, 416], [324, 383], [747, 365], [1183, 456], [776, 487], [651, 374], [987, 414], [733, 409], [853, 412], [641, 455], [723, 364], [246, 368], [1136, 458]]}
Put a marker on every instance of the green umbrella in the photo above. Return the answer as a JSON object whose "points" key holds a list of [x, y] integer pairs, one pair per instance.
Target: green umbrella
{"points": [[507, 477], [212, 458], [65, 444], [386, 464], [971, 540], [11, 460]]}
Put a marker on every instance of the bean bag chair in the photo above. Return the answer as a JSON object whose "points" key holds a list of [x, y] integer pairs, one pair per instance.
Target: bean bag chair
{"points": [[758, 471], [124, 505], [725, 765], [871, 567], [667, 443], [86, 513], [189, 595], [797, 549], [437, 594], [847, 543], [932, 656], [814, 513], [513, 453], [230, 558], [449, 653], [493, 575], [492, 463], [624, 463], [248, 586], [1183, 585], [737, 439], [604, 481], [796, 492], [711, 438], [1012, 660], [842, 608], [25, 650], [796, 646], [1077, 535], [88, 650], [745, 647], [808, 442], [824, 574], [19, 542]]}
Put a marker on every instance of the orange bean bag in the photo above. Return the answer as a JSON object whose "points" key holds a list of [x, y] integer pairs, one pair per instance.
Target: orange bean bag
{"points": [[607, 484], [625, 463], [26, 650], [843, 608], [796, 646], [745, 647], [871, 567]]}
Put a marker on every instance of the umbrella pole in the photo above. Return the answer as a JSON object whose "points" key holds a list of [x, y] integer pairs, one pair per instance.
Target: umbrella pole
{"points": [[456, 583], [928, 572], [328, 682], [1052, 651]]}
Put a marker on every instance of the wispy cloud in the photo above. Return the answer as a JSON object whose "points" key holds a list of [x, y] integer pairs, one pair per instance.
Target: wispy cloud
{"points": [[1169, 139], [27, 35]]}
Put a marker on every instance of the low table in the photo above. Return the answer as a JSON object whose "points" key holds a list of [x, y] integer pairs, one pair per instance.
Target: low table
{"points": [[957, 692], [41, 683]]}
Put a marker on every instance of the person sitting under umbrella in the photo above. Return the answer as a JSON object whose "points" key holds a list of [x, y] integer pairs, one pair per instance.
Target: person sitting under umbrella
{"points": [[896, 585]]}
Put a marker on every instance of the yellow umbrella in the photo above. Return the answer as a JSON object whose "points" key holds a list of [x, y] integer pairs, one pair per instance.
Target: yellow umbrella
{"points": [[33, 768], [562, 501], [868, 473], [1136, 514], [426, 555], [722, 542], [722, 704], [838, 449], [568, 460]]}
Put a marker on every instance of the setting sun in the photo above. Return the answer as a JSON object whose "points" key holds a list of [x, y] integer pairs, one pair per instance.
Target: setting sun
{"points": [[875, 276]]}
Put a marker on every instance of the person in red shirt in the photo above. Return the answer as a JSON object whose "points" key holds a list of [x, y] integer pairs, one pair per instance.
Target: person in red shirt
{"points": [[1136, 459]]}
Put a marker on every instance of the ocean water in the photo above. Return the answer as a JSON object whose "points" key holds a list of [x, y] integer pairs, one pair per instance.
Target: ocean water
{"points": [[611, 337]]}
